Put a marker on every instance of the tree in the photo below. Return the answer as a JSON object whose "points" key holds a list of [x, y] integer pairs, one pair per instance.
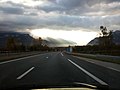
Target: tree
{"points": [[40, 41], [106, 41], [111, 38], [12, 44], [104, 31]]}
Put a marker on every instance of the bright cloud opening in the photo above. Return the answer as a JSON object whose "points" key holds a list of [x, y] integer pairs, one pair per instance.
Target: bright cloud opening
{"points": [[80, 37]]}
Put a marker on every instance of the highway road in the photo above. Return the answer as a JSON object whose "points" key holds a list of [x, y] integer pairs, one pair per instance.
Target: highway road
{"points": [[55, 68]]}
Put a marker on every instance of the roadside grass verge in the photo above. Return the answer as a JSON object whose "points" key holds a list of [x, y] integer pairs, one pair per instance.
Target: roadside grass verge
{"points": [[97, 57]]}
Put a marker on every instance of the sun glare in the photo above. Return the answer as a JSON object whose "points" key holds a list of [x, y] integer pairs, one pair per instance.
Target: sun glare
{"points": [[80, 37]]}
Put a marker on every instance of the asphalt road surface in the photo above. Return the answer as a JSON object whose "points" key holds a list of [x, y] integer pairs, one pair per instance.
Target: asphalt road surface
{"points": [[55, 68]]}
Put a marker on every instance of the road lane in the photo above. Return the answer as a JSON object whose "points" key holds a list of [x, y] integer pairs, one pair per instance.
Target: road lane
{"points": [[54, 70], [57, 70], [11, 70], [91, 75], [111, 77]]}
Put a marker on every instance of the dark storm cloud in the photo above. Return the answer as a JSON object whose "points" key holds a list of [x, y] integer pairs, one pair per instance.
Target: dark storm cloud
{"points": [[15, 4], [75, 6], [111, 1], [61, 22], [51, 7], [60, 14], [11, 10], [59, 5]]}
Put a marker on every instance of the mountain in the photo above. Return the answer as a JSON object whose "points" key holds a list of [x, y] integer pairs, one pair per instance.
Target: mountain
{"points": [[57, 42], [116, 39], [24, 38], [95, 41], [28, 40]]}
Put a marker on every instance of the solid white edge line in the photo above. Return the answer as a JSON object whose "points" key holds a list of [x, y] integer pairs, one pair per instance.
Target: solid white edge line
{"points": [[88, 73], [18, 59], [25, 73], [113, 69], [62, 54]]}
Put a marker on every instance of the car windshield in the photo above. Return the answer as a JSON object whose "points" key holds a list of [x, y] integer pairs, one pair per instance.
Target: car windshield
{"points": [[59, 43]]}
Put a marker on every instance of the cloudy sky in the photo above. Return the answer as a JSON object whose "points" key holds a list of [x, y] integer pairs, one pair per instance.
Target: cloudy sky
{"points": [[75, 20]]}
